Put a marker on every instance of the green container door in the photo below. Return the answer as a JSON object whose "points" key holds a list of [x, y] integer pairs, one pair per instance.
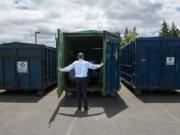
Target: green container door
{"points": [[111, 63], [60, 55], [115, 64]]}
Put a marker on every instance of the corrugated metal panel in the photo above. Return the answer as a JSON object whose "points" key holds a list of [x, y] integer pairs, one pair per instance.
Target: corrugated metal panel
{"points": [[151, 63], [112, 76], [27, 66]]}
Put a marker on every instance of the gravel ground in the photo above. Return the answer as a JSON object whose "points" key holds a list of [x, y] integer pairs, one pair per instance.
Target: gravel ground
{"points": [[155, 113]]}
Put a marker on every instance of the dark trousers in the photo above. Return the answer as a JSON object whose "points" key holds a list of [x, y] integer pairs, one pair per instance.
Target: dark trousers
{"points": [[81, 86]]}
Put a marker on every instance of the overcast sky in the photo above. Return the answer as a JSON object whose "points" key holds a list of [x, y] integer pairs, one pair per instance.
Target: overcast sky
{"points": [[19, 19]]}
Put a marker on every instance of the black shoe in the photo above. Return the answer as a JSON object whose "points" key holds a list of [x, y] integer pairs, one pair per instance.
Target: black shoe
{"points": [[79, 109], [86, 108]]}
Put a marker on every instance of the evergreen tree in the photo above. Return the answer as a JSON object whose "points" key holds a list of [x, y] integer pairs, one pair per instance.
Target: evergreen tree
{"points": [[164, 32], [134, 31], [174, 32], [126, 31], [135, 34]]}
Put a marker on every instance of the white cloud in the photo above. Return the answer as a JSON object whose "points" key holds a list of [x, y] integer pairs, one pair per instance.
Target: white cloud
{"points": [[19, 19]]}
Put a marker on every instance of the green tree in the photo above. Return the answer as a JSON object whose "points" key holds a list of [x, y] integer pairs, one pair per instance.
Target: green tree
{"points": [[164, 32], [174, 32], [126, 31], [135, 31], [129, 36]]}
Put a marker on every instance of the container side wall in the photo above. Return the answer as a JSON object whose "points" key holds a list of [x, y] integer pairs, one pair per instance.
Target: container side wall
{"points": [[177, 77], [156, 63], [111, 61], [148, 63], [34, 68], [128, 64], [49, 67], [9, 72], [22, 66], [169, 60]]}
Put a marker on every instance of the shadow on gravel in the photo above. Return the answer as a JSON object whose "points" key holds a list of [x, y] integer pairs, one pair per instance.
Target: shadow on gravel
{"points": [[22, 96], [157, 96], [112, 106]]}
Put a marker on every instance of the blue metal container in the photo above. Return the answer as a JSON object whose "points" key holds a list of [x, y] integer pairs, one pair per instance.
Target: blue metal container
{"points": [[26, 66], [151, 63], [98, 46]]}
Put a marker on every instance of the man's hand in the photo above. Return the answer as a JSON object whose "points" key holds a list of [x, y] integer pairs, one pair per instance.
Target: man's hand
{"points": [[101, 64], [59, 68]]}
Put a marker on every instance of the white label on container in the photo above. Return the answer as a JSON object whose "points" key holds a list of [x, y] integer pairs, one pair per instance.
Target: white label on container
{"points": [[170, 61], [22, 66]]}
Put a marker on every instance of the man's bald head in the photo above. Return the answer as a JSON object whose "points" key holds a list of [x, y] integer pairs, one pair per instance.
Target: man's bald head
{"points": [[80, 55]]}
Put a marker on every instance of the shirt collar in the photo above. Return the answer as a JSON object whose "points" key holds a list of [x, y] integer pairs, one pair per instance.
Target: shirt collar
{"points": [[80, 59]]}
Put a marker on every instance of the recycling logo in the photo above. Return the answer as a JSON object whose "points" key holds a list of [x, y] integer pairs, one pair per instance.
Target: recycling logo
{"points": [[22, 66], [170, 61]]}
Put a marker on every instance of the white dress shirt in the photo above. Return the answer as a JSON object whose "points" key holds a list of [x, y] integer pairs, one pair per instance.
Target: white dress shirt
{"points": [[81, 67]]}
